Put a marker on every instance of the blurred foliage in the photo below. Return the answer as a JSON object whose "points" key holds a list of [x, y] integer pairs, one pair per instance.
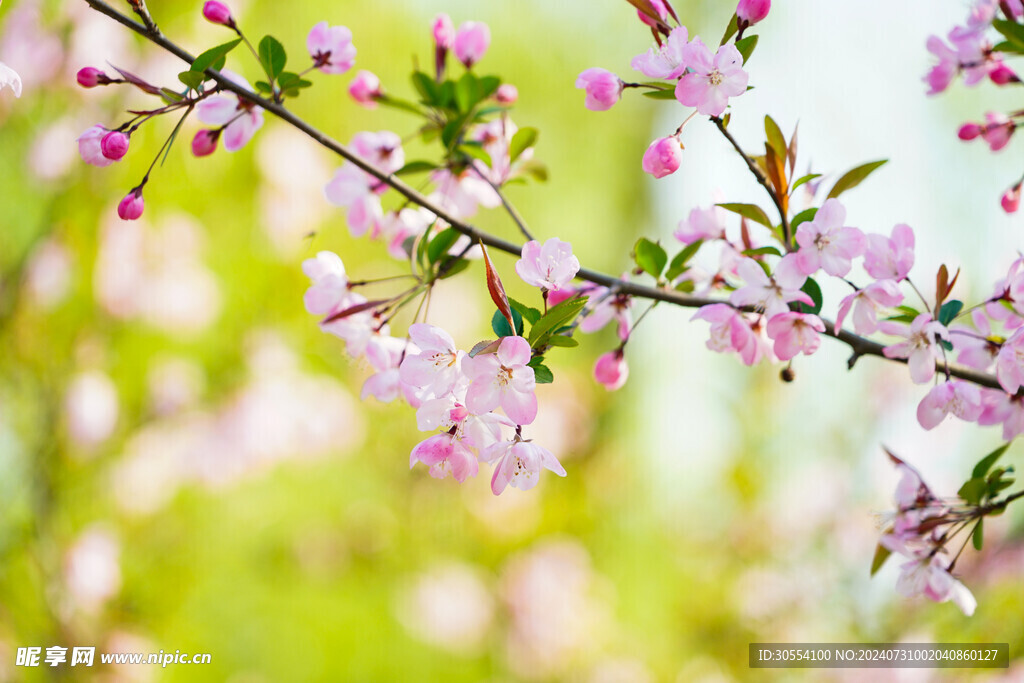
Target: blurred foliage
{"points": [[340, 564]]}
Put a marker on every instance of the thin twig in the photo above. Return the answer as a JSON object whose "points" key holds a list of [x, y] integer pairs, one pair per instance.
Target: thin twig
{"points": [[859, 345], [511, 210]]}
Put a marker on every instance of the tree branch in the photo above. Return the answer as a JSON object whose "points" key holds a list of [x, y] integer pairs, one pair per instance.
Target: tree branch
{"points": [[860, 345]]}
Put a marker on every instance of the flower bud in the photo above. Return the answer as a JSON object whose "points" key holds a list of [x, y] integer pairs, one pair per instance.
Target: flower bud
{"points": [[365, 89], [969, 131], [663, 157], [444, 32], [749, 12], [603, 88], [1002, 74], [114, 145], [611, 370], [90, 77], [1011, 199], [506, 94], [205, 142], [659, 8], [218, 13], [471, 42], [131, 206]]}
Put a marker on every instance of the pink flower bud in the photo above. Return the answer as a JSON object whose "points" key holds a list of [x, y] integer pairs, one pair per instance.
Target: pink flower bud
{"points": [[969, 131], [218, 13], [611, 370], [205, 142], [365, 89], [663, 157], [659, 8], [131, 206], [1002, 74], [506, 94], [749, 12], [1011, 199], [603, 88], [90, 77], [444, 32], [471, 42], [114, 145]]}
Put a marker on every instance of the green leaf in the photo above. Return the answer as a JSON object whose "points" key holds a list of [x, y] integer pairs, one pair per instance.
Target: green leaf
{"points": [[804, 179], [501, 327], [214, 57], [731, 29], [531, 314], [452, 129], [812, 290], [193, 79], [170, 96], [264, 87], [950, 310], [751, 211], [1007, 46], [985, 464], [678, 265], [660, 94], [686, 286], [440, 245], [978, 536], [746, 46], [776, 140], [289, 81], [396, 103], [521, 141], [541, 373], [535, 170], [1013, 31], [562, 340], [426, 87], [802, 217], [467, 92], [476, 151], [761, 251], [973, 490], [555, 318], [881, 555], [416, 167], [488, 85], [272, 56], [449, 271], [650, 256], [854, 177]]}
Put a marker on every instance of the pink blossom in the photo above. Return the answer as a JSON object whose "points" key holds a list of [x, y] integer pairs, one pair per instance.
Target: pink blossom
{"points": [[205, 142], [444, 32], [351, 189], [667, 61], [437, 367], [90, 146], [730, 331], [549, 267], [90, 77], [877, 295], [1010, 201], [826, 244], [749, 12], [795, 333], [398, 226], [1010, 363], [503, 379], [383, 149], [365, 89], [91, 408], [702, 224], [385, 354], [519, 464], [663, 157], [240, 118], [463, 193], [921, 348], [114, 145], [611, 370], [997, 130], [975, 347], [471, 42], [448, 414], [1000, 74], [1001, 408], [217, 13], [770, 294], [713, 80], [329, 291], [951, 397], [927, 574], [9, 78], [968, 131], [603, 88], [973, 52], [890, 257], [942, 74], [331, 48], [506, 94], [131, 206], [603, 307], [445, 455]]}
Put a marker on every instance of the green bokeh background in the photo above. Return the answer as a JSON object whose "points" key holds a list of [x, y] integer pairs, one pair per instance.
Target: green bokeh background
{"points": [[305, 568]]}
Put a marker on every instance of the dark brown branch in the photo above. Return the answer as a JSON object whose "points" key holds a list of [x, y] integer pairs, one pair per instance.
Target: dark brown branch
{"points": [[859, 345]]}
